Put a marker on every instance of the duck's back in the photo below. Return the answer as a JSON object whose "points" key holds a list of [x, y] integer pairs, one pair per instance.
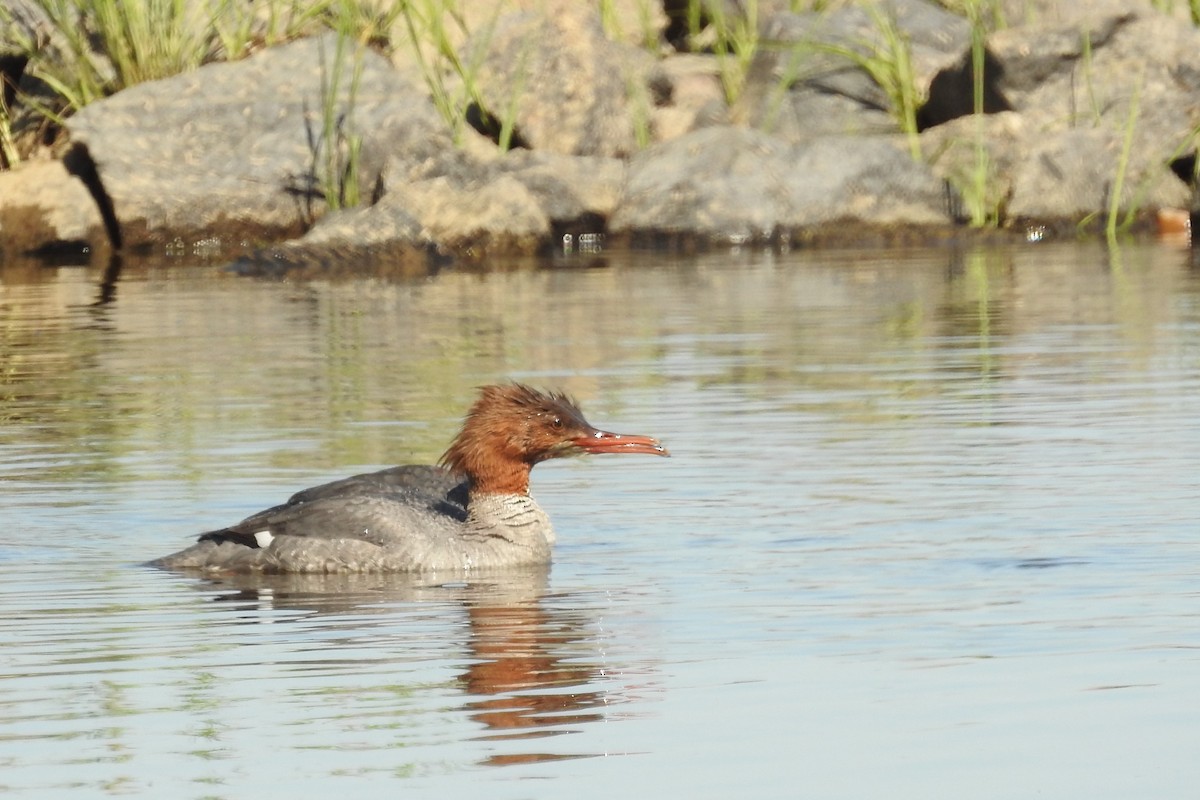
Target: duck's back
{"points": [[402, 519], [409, 511], [437, 485]]}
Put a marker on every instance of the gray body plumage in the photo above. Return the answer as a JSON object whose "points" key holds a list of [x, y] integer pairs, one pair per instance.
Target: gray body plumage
{"points": [[406, 519]]}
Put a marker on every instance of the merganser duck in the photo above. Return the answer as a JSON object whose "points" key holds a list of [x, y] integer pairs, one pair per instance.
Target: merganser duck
{"points": [[472, 511]]}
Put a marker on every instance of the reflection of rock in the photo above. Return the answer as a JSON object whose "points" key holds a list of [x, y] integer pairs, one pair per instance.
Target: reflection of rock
{"points": [[532, 666]]}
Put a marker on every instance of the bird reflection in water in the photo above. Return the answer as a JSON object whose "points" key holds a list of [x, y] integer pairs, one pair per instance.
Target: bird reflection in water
{"points": [[526, 678], [534, 670]]}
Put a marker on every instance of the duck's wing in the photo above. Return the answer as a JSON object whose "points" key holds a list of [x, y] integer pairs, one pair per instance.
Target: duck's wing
{"points": [[354, 507]]}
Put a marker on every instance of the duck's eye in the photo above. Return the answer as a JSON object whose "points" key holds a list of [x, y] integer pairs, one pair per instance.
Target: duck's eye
{"points": [[556, 422]]}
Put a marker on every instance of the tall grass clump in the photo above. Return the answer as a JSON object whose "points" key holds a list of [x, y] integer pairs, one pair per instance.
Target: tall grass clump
{"points": [[978, 191], [976, 180], [238, 27], [150, 39], [453, 73], [731, 36], [369, 22], [647, 31], [337, 150], [1168, 7], [106, 45], [890, 65], [99, 47], [9, 156], [432, 30], [887, 60], [736, 43], [1112, 224]]}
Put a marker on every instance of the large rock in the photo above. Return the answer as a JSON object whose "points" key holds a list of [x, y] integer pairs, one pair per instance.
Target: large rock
{"points": [[570, 188], [1072, 175], [733, 185], [1101, 101], [566, 85], [233, 150], [475, 217], [868, 181], [455, 205], [720, 183], [1096, 77], [367, 240], [808, 77], [514, 202], [1069, 13], [686, 93], [45, 209], [980, 157]]}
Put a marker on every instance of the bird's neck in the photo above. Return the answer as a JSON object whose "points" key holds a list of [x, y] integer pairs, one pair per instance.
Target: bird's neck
{"points": [[500, 477]]}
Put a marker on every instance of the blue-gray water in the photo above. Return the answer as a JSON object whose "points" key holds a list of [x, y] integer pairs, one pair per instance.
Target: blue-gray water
{"points": [[930, 530]]}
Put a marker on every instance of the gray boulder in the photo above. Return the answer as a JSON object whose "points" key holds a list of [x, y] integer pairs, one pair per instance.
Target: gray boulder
{"points": [[1072, 175], [472, 216], [455, 205], [981, 158], [1084, 92], [1073, 13], [722, 184], [566, 84], [808, 77], [367, 240], [576, 192], [686, 93], [234, 150], [43, 208], [733, 185], [865, 182]]}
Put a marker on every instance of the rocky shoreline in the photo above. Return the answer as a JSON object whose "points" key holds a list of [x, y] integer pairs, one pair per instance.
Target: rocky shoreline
{"points": [[1091, 109]]}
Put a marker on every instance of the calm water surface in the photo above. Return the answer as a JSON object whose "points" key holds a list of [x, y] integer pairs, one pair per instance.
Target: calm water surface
{"points": [[930, 530]]}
